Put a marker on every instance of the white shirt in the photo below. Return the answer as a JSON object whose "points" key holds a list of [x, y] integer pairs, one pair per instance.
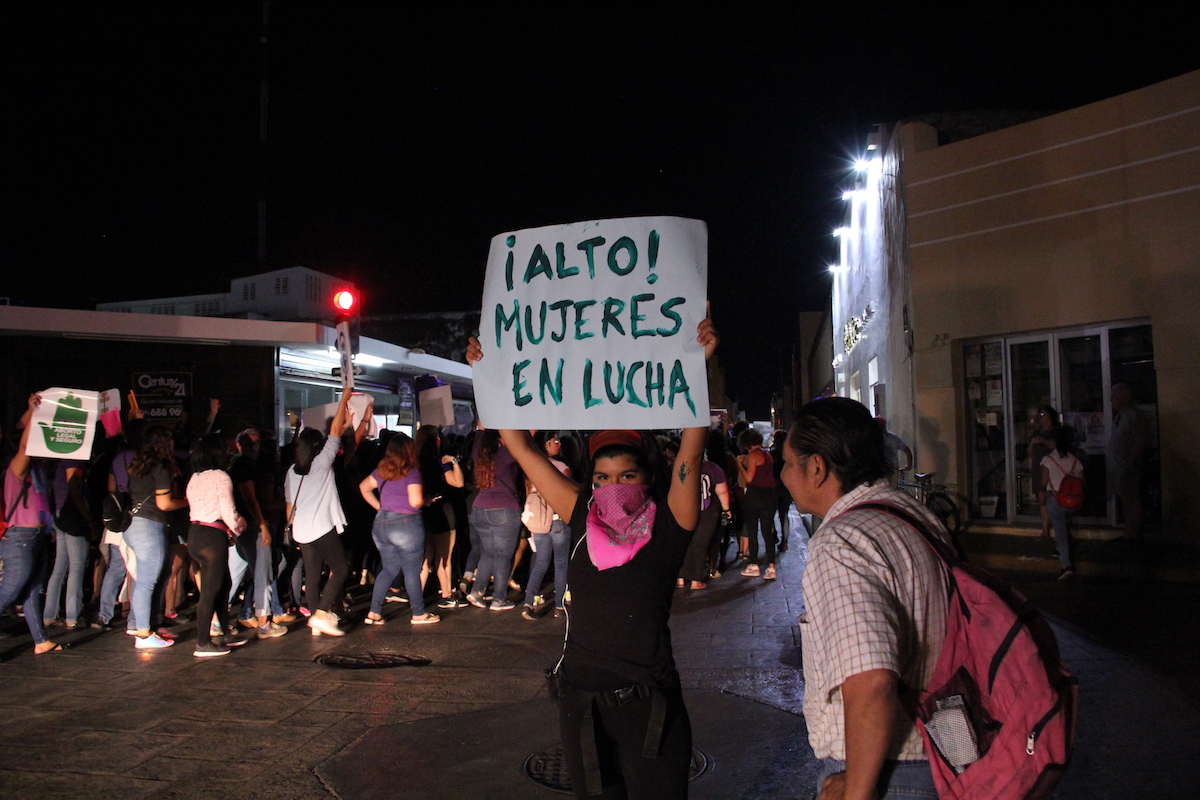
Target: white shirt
{"points": [[317, 510], [875, 598]]}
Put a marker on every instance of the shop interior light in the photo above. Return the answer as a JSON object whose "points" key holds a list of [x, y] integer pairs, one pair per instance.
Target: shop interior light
{"points": [[370, 361], [861, 164], [842, 231]]}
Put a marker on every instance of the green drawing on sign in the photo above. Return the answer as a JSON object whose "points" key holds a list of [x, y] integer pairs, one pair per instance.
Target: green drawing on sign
{"points": [[67, 431]]}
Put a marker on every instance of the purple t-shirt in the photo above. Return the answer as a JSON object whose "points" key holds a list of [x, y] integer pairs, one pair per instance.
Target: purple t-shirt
{"points": [[503, 493], [710, 476], [393, 495], [33, 510]]}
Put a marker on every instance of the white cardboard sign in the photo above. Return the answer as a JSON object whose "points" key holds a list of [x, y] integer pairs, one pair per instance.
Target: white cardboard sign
{"points": [[592, 325], [64, 424]]}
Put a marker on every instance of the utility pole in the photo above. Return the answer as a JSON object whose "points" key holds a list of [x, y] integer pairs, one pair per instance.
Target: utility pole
{"points": [[263, 103]]}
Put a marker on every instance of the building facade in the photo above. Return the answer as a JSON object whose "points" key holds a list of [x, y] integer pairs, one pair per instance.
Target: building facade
{"points": [[1035, 265]]}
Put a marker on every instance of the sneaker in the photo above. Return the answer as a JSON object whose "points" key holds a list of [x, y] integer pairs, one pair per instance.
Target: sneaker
{"points": [[396, 598], [538, 601], [104, 625], [1067, 574], [502, 605], [152, 642], [163, 633], [559, 612], [567, 596], [427, 618], [211, 650], [271, 631], [453, 601], [283, 619], [325, 623], [769, 575], [527, 613], [476, 600], [750, 571], [235, 639], [304, 611]]}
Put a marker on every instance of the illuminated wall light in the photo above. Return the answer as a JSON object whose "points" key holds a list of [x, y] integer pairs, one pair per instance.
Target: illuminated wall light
{"points": [[842, 231], [860, 165]]}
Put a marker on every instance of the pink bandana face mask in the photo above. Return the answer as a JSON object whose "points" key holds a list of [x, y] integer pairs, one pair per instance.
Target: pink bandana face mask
{"points": [[620, 519]]}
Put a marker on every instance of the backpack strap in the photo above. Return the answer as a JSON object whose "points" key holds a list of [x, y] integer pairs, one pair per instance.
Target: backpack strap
{"points": [[25, 484], [943, 550]]}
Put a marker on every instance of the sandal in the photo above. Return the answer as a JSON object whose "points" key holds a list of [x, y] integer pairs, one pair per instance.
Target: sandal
{"points": [[58, 648], [374, 621]]}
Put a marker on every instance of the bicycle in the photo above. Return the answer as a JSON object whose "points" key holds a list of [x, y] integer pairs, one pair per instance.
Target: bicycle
{"points": [[934, 496]]}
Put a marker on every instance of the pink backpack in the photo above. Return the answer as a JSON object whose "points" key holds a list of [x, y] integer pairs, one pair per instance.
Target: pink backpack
{"points": [[998, 715]]}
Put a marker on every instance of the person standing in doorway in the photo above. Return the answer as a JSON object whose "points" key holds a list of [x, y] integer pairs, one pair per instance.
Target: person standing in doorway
{"points": [[1125, 457]]}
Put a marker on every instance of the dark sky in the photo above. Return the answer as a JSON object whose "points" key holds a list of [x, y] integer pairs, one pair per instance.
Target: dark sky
{"points": [[402, 140]]}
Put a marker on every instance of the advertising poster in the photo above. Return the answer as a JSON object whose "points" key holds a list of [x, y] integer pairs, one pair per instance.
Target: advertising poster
{"points": [[593, 325]]}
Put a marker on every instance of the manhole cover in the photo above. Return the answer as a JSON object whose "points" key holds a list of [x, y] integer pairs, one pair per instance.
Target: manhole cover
{"points": [[546, 768], [371, 660]]}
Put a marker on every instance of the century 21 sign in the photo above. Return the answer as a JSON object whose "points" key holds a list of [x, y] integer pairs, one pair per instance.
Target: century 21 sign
{"points": [[162, 395]]}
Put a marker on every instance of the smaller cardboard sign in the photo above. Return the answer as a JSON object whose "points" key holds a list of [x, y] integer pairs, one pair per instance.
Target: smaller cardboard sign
{"points": [[437, 407], [64, 424], [110, 411]]}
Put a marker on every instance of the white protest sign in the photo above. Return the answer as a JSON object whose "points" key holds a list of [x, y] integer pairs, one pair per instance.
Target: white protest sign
{"points": [[592, 325], [437, 406], [64, 424]]}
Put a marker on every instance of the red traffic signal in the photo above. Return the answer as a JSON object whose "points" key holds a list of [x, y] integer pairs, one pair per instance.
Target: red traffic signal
{"points": [[345, 301]]}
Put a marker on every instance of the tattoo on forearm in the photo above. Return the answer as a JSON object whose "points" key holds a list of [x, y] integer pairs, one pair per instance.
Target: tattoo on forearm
{"points": [[683, 472]]}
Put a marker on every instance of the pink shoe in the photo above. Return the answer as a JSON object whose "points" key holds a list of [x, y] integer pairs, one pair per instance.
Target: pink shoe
{"points": [[769, 575], [750, 571]]}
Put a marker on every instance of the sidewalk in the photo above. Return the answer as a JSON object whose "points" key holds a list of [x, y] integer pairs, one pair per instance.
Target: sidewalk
{"points": [[103, 720]]}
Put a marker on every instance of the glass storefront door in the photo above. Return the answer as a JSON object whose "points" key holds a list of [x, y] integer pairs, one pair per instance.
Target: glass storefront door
{"points": [[1069, 371]]}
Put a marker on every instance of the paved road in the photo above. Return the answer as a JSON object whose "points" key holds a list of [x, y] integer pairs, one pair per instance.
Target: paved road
{"points": [[103, 720]]}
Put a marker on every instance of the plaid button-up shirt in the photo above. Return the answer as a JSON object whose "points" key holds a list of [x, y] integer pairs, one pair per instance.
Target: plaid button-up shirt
{"points": [[875, 598]]}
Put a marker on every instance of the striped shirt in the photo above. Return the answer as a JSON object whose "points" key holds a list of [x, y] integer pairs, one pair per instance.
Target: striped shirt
{"points": [[875, 598]]}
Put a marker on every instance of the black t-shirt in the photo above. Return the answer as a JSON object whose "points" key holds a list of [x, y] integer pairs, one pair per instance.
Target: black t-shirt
{"points": [[241, 470], [144, 488], [618, 633]]}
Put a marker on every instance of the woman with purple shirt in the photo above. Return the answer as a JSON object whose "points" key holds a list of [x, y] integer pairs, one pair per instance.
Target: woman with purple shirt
{"points": [[398, 532], [24, 544], [496, 516]]}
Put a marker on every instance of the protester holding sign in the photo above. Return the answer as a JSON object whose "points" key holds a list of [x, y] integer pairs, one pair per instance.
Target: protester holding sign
{"points": [[617, 678], [23, 543]]}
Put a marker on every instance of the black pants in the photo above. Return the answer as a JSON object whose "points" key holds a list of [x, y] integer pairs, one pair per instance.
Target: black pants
{"points": [[620, 733], [759, 508], [695, 563], [324, 552], [209, 548]]}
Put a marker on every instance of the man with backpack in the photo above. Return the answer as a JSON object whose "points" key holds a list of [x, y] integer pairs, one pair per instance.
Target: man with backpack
{"points": [[875, 606], [924, 675]]}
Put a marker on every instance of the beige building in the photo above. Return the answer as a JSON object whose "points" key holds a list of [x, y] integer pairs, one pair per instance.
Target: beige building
{"points": [[1035, 265]]}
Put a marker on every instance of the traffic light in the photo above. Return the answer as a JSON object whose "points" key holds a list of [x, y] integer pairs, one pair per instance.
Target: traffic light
{"points": [[345, 315]]}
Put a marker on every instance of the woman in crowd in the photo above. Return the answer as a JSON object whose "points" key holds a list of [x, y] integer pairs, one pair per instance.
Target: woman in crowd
{"points": [[438, 474], [549, 534], [1040, 445], [317, 519], [214, 524], [112, 541], [495, 519], [758, 505], [617, 673], [25, 542], [151, 475], [398, 531], [73, 527], [1058, 463]]}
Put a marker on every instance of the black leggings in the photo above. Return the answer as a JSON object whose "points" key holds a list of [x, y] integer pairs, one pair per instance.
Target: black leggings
{"points": [[324, 552], [759, 508], [209, 548], [620, 736]]}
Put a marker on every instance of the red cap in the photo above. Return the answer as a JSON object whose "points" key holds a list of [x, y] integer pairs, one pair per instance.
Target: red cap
{"points": [[601, 439]]}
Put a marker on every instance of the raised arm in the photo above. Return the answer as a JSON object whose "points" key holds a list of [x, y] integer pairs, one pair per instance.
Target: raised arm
{"points": [[684, 495], [339, 417], [20, 462]]}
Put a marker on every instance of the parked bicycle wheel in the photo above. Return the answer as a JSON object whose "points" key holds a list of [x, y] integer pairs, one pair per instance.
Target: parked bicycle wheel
{"points": [[945, 509]]}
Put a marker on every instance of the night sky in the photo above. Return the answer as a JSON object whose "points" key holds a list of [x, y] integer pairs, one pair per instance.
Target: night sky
{"points": [[401, 140]]}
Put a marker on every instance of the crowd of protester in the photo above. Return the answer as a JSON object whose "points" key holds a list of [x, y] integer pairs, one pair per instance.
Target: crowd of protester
{"points": [[254, 536]]}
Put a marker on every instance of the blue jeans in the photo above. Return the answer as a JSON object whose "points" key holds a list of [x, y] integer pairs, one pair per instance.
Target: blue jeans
{"points": [[114, 579], [499, 531], [898, 780], [70, 564], [23, 567], [554, 545], [148, 541], [261, 597], [473, 555], [401, 542], [1060, 521]]}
